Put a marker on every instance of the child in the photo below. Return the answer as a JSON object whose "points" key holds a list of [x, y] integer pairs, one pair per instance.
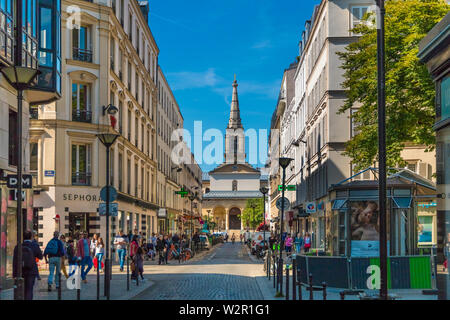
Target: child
{"points": [[139, 263]]}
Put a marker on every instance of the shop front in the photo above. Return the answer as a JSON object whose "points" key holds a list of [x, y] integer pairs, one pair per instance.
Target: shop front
{"points": [[355, 216]]}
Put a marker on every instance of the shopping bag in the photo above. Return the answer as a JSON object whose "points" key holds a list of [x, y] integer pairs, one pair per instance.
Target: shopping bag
{"points": [[95, 262]]}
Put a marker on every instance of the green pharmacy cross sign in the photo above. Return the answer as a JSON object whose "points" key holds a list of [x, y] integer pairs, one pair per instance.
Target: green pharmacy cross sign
{"points": [[182, 192], [290, 187]]}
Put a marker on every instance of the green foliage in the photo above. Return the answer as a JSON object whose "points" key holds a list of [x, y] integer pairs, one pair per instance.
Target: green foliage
{"points": [[251, 219], [409, 88]]}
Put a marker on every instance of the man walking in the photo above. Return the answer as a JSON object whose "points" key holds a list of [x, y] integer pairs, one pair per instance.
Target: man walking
{"points": [[83, 254], [52, 254], [121, 242], [30, 252]]}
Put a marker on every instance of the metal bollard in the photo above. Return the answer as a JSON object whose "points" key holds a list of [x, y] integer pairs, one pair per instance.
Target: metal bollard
{"points": [[281, 275], [59, 285], [98, 281], [274, 273], [79, 289], [269, 264], [342, 294], [128, 273], [287, 283], [311, 293], [324, 286], [294, 279]]}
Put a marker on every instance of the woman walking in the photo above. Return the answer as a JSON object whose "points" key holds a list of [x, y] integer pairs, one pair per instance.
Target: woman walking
{"points": [[306, 243], [288, 243], [298, 241], [99, 253], [134, 246], [139, 263]]}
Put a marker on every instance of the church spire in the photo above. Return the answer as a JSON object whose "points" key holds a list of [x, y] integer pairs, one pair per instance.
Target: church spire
{"points": [[235, 116]]}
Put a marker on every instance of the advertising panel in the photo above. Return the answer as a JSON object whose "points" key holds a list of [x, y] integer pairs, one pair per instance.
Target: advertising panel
{"points": [[364, 226]]}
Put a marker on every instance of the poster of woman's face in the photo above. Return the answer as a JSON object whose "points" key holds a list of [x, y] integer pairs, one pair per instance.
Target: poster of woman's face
{"points": [[365, 221]]}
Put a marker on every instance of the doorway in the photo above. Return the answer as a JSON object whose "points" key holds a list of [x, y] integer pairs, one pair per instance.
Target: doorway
{"points": [[78, 222]]}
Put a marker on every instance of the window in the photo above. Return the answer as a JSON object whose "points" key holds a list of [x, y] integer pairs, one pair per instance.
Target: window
{"points": [[120, 172], [120, 63], [444, 92], [138, 40], [111, 167], [412, 166], [136, 179], [112, 53], [121, 117], [6, 29], [142, 136], [81, 102], [81, 164], [121, 13], [128, 176], [136, 131], [12, 137], [130, 25], [129, 76], [142, 183], [136, 85], [33, 156], [129, 125], [357, 15], [234, 185], [113, 6], [81, 44]]}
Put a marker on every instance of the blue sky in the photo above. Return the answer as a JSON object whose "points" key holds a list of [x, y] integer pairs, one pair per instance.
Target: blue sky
{"points": [[203, 43]]}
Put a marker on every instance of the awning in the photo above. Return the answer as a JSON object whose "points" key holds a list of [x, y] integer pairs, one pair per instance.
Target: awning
{"points": [[339, 204], [402, 202]]}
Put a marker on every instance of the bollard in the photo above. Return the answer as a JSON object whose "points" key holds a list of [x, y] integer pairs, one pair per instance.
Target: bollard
{"points": [[287, 283], [128, 273], [311, 293], [78, 286], [59, 284], [294, 279], [274, 273], [324, 289], [269, 264], [342, 294], [280, 266], [98, 282]]}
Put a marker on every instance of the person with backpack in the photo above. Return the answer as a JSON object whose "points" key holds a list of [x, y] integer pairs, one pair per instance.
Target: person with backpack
{"points": [[52, 254], [83, 254], [30, 252]]}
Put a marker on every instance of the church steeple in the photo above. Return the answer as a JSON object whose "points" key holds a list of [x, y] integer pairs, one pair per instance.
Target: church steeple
{"points": [[235, 116]]}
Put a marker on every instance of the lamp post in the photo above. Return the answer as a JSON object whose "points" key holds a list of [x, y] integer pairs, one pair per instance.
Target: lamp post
{"points": [[108, 140], [264, 191], [381, 148], [284, 162]]}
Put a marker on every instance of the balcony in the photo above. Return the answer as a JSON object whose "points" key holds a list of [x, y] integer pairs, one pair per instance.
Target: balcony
{"points": [[82, 55], [81, 178], [82, 116]]}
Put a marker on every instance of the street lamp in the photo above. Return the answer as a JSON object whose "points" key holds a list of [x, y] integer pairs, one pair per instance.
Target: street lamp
{"points": [[108, 140], [192, 197], [264, 191], [284, 162], [20, 78], [382, 148]]}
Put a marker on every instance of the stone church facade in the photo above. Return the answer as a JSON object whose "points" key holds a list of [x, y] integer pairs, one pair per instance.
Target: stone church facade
{"points": [[227, 188]]}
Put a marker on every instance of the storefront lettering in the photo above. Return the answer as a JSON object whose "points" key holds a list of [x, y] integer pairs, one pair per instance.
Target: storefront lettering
{"points": [[80, 197]]}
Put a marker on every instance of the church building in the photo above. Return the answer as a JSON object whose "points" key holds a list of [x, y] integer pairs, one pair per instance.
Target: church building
{"points": [[227, 188]]}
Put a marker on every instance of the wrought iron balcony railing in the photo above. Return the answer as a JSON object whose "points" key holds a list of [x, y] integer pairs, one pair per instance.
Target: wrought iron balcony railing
{"points": [[81, 178], [82, 116], [82, 54]]}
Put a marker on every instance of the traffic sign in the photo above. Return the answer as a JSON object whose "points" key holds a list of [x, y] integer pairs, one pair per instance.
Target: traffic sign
{"points": [[182, 192], [112, 193], [287, 204], [12, 183], [113, 209]]}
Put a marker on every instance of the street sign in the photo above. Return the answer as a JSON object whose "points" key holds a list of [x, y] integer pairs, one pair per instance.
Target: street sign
{"points": [[113, 209], [287, 204], [290, 187], [12, 183], [182, 192], [112, 193], [49, 173]]}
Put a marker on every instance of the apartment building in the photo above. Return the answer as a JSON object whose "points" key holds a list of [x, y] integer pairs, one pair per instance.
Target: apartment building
{"points": [[311, 131], [109, 58]]}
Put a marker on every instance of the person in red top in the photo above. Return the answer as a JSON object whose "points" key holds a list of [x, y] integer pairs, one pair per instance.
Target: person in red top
{"points": [[83, 254], [134, 245]]}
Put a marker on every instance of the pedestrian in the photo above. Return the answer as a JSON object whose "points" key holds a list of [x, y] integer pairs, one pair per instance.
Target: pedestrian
{"points": [[121, 243], [52, 254], [226, 237], [175, 239], [166, 248], [139, 264], [83, 254], [71, 257], [298, 241], [93, 244], [36, 243], [240, 238], [288, 244], [306, 243], [134, 245], [30, 252], [99, 253], [160, 249], [63, 258], [272, 241], [129, 235], [196, 240]]}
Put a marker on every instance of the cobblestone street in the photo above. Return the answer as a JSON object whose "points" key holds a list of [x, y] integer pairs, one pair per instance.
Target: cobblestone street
{"points": [[226, 273]]}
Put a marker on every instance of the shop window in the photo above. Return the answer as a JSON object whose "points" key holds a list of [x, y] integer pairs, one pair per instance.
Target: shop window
{"points": [[81, 102], [81, 164]]}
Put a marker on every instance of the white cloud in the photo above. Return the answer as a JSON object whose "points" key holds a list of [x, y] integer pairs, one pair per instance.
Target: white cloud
{"points": [[189, 80], [262, 44]]}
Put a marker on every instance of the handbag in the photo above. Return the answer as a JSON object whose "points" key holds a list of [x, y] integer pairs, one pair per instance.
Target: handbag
{"points": [[132, 266]]}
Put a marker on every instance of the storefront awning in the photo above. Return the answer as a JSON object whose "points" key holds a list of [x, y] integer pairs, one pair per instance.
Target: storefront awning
{"points": [[402, 202], [339, 204]]}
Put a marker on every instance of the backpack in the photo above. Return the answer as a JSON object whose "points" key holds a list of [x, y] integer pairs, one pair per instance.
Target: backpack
{"points": [[52, 247], [28, 259]]}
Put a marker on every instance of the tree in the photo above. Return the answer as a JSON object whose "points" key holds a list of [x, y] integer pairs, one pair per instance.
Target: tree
{"points": [[249, 218], [409, 89]]}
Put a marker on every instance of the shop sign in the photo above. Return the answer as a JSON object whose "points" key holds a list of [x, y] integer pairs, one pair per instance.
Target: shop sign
{"points": [[12, 181], [311, 207], [80, 197]]}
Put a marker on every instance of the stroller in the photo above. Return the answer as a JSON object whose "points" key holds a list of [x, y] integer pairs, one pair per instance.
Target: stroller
{"points": [[150, 252]]}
